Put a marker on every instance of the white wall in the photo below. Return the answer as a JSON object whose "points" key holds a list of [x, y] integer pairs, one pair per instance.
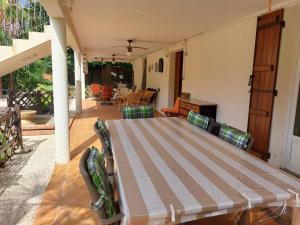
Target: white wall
{"points": [[286, 74], [159, 81], [138, 68], [217, 69]]}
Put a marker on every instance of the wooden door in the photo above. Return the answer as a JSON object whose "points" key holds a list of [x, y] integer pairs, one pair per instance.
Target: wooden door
{"points": [[178, 74], [263, 80]]}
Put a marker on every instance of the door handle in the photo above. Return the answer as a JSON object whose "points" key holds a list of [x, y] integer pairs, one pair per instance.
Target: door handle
{"points": [[250, 82]]}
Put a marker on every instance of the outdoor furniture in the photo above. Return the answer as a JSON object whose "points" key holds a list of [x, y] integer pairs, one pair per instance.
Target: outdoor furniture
{"points": [[11, 140], [106, 95], [154, 96], [174, 111], [104, 137], [137, 112], [201, 121], [96, 89], [236, 137], [199, 106], [170, 171], [145, 100], [123, 92], [133, 99], [100, 204]]}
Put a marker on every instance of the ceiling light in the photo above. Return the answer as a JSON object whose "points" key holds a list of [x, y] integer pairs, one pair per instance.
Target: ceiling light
{"points": [[129, 53]]}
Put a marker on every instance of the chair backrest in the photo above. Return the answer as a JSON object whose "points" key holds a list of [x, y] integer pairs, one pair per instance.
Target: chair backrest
{"points": [[147, 97], [101, 209], [96, 89], [124, 91], [137, 112], [176, 105], [106, 92], [104, 136], [89, 183], [199, 120], [122, 86], [234, 136], [133, 98], [153, 98]]}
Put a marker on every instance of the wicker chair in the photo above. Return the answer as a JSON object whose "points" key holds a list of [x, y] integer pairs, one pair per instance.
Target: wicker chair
{"points": [[99, 210], [146, 98], [133, 99]]}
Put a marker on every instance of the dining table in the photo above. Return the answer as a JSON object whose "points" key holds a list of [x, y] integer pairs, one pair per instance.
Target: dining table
{"points": [[169, 171]]}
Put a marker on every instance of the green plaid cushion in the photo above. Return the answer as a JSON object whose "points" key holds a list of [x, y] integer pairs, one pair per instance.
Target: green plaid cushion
{"points": [[198, 120], [95, 164], [137, 112], [105, 136], [234, 136]]}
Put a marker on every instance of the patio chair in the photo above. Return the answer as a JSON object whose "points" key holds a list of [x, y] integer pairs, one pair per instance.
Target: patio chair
{"points": [[123, 92], [96, 90], [201, 121], [106, 95], [174, 111], [234, 136], [137, 112], [133, 99], [104, 205], [104, 137], [146, 98]]}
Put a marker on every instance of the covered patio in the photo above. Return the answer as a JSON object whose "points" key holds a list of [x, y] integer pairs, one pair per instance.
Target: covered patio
{"points": [[226, 146]]}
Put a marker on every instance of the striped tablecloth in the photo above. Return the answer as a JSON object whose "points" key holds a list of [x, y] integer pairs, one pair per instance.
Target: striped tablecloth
{"points": [[168, 168]]}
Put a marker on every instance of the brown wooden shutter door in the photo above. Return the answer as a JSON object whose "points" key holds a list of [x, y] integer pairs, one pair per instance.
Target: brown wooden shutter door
{"points": [[263, 80]]}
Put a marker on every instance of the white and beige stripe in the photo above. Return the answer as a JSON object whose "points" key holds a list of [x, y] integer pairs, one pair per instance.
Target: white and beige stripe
{"points": [[167, 161]]}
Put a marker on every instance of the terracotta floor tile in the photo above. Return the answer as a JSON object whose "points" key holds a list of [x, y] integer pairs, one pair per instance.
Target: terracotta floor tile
{"points": [[66, 200]]}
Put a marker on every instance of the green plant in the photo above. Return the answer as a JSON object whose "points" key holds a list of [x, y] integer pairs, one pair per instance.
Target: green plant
{"points": [[29, 77]]}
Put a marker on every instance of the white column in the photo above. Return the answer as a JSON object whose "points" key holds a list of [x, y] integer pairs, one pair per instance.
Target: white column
{"points": [[60, 90], [82, 80], [77, 71]]}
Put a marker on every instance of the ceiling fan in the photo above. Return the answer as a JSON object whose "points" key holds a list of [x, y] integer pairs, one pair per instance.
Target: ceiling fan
{"points": [[130, 47], [113, 58]]}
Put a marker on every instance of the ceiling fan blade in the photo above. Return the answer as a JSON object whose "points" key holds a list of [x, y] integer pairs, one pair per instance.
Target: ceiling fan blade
{"points": [[121, 46], [139, 47]]}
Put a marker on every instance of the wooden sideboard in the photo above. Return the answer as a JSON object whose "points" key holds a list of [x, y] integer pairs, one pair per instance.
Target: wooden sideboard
{"points": [[203, 107]]}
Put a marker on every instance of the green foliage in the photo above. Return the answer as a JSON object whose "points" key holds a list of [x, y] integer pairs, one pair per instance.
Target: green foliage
{"points": [[45, 87], [28, 77]]}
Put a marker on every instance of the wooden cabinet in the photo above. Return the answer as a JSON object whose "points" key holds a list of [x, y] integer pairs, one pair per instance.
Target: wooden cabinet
{"points": [[203, 107]]}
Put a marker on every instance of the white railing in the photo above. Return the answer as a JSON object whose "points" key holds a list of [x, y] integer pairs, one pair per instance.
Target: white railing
{"points": [[18, 17]]}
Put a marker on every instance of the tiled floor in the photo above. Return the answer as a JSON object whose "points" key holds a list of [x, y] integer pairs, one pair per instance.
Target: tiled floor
{"points": [[66, 200]]}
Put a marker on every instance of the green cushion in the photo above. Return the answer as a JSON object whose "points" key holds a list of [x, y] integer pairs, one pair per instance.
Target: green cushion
{"points": [[137, 112], [95, 164], [198, 120], [236, 137], [105, 136]]}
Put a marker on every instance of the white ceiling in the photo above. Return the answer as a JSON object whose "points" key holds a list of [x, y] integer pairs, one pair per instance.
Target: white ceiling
{"points": [[101, 24]]}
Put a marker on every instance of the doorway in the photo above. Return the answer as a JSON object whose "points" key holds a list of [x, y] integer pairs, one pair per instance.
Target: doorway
{"points": [[263, 80], [178, 74]]}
